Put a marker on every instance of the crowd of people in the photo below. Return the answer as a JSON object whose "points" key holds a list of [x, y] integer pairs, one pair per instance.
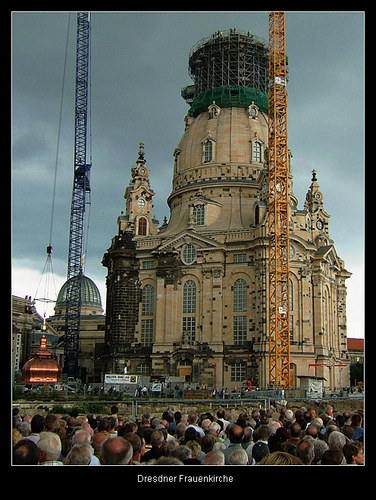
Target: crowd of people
{"points": [[252, 436]]}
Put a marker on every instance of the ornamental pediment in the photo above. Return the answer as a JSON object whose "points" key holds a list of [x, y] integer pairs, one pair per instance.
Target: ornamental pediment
{"points": [[184, 238], [329, 254]]}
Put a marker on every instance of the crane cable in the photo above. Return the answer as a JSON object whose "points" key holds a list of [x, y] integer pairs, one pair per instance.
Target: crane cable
{"points": [[48, 264]]}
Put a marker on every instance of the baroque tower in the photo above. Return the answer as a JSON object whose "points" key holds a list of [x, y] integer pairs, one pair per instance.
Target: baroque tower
{"points": [[190, 299]]}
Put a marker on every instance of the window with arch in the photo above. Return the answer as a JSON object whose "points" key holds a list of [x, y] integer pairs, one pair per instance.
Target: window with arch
{"points": [[208, 151], [148, 300], [199, 214], [147, 321], [189, 312], [142, 226], [240, 306], [189, 297]]}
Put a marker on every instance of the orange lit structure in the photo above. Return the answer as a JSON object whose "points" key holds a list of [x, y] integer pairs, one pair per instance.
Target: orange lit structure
{"points": [[279, 317], [42, 368]]}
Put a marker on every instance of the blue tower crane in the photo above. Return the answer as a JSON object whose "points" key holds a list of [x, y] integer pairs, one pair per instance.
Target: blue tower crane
{"points": [[80, 198]]}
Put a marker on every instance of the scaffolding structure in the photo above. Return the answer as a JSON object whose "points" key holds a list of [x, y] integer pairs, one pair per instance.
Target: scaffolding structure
{"points": [[279, 313], [229, 58]]}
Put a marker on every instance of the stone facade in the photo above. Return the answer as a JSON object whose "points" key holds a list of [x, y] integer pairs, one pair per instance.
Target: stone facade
{"points": [[190, 299]]}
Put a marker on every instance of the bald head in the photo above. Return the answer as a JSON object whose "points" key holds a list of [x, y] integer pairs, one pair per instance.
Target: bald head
{"points": [[116, 451]]}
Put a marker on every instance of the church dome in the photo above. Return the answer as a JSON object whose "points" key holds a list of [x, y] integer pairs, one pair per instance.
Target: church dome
{"points": [[91, 302]]}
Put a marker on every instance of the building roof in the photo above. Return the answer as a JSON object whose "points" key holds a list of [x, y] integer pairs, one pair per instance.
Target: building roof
{"points": [[355, 344], [90, 296]]}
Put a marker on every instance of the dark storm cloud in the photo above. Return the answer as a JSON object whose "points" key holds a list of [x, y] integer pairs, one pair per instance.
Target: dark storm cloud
{"points": [[139, 63]]}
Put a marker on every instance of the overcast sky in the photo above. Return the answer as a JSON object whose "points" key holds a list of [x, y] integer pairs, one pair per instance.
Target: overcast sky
{"points": [[139, 63]]}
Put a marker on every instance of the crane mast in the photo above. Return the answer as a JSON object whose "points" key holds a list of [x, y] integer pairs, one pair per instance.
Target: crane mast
{"points": [[279, 315], [80, 197]]}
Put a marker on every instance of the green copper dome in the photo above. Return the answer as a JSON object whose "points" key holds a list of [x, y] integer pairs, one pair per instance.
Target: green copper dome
{"points": [[90, 296]]}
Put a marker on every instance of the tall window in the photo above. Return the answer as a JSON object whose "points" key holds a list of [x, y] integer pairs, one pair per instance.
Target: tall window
{"points": [[148, 300], [240, 330], [240, 306], [199, 214], [189, 312], [208, 151], [142, 225], [147, 321], [189, 297], [240, 296], [257, 151]]}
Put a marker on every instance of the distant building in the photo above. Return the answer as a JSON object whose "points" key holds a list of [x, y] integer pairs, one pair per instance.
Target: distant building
{"points": [[92, 323], [356, 350]]}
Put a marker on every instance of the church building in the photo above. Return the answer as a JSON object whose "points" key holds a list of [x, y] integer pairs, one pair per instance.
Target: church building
{"points": [[190, 298]]}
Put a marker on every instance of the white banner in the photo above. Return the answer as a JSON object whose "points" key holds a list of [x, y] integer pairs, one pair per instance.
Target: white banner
{"points": [[114, 378]]}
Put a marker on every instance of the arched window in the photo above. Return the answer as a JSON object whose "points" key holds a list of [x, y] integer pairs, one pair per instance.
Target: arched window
{"points": [[142, 226], [189, 312], [199, 214], [257, 215], [240, 306], [147, 323], [257, 151], [208, 151], [148, 300], [189, 297]]}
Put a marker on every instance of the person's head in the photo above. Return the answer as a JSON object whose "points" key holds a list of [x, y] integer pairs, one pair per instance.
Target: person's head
{"points": [[103, 425], [207, 443], [320, 446], [157, 438], [180, 429], [182, 453], [262, 433], [305, 450], [37, 424], [25, 452], [353, 453], [49, 445], [136, 443], [214, 457], [49, 421], [332, 457], [295, 430], [356, 420], [192, 418], [81, 437], [80, 454], [238, 457], [280, 458], [98, 439], [311, 430], [24, 428], [114, 410], [329, 410], [116, 451], [336, 440], [214, 428], [235, 434], [191, 434]]}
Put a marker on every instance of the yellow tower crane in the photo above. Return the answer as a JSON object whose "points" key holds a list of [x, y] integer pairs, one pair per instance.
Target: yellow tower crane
{"points": [[279, 315]]}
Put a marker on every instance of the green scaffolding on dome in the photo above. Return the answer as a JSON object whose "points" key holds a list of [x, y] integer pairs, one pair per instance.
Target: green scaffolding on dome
{"points": [[237, 96]]}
